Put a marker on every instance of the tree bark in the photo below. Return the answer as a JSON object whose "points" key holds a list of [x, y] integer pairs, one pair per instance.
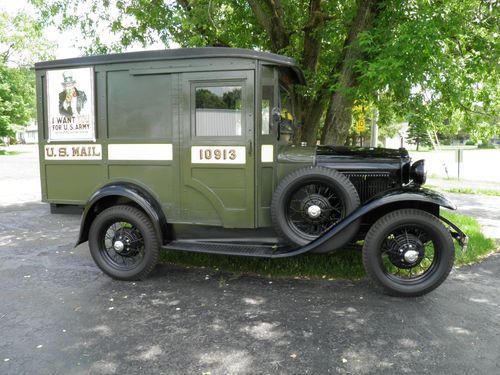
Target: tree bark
{"points": [[270, 17], [338, 115], [311, 112]]}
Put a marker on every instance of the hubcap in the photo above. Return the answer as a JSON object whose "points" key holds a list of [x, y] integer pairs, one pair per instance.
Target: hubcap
{"points": [[118, 246], [314, 211], [411, 256], [407, 250]]}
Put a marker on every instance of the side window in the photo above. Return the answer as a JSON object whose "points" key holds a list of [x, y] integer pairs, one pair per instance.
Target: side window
{"points": [[267, 101], [218, 111], [142, 113]]}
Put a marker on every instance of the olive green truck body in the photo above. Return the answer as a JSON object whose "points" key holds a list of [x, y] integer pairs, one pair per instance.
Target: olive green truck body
{"points": [[190, 150]]}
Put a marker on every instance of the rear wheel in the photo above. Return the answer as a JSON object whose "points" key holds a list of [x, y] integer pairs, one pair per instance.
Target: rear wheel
{"points": [[123, 243], [408, 253]]}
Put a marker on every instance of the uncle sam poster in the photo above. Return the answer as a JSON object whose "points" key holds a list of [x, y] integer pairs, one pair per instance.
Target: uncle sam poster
{"points": [[70, 98]]}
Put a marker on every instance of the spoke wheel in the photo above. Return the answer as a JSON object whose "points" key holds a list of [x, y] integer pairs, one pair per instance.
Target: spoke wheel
{"points": [[314, 208], [408, 253], [123, 243], [310, 201]]}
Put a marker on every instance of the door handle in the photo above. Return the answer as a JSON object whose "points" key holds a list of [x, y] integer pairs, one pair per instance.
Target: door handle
{"points": [[250, 147]]}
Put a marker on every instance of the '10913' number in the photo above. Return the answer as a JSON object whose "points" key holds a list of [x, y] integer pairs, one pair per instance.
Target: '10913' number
{"points": [[217, 154]]}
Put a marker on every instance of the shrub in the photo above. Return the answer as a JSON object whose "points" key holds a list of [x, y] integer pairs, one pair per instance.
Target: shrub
{"points": [[486, 145]]}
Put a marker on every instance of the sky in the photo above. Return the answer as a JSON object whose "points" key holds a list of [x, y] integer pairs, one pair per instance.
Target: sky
{"points": [[68, 41], [65, 41]]}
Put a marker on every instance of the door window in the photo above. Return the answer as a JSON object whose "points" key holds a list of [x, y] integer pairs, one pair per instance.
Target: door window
{"points": [[218, 111]]}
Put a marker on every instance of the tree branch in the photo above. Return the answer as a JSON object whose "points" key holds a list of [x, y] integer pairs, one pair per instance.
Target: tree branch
{"points": [[5, 55], [270, 17], [465, 108], [312, 44], [211, 38]]}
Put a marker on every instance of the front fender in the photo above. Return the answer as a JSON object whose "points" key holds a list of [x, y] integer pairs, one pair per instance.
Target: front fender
{"points": [[409, 194], [395, 199], [110, 194]]}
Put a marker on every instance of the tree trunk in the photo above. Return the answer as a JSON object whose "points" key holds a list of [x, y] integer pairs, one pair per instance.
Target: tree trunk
{"points": [[338, 115], [312, 108], [270, 16], [311, 112]]}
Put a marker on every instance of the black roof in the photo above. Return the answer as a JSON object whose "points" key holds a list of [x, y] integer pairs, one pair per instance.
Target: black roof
{"points": [[175, 54]]}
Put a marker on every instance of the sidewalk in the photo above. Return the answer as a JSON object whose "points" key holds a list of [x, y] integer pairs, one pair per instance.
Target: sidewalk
{"points": [[484, 208]]}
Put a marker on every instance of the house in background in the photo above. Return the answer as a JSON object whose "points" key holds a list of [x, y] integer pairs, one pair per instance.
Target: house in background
{"points": [[28, 134], [400, 139]]}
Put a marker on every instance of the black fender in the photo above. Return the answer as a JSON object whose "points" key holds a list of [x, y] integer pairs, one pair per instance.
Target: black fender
{"points": [[393, 199], [408, 194], [115, 193]]}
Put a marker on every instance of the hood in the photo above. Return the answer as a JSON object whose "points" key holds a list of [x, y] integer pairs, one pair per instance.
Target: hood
{"points": [[343, 152], [359, 158]]}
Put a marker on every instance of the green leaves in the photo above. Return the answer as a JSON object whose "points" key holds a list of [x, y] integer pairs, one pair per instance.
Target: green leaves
{"points": [[436, 58], [428, 61], [21, 44], [17, 97], [21, 40]]}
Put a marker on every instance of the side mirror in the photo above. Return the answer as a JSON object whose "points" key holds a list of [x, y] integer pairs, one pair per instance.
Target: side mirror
{"points": [[276, 116], [286, 119], [282, 118]]}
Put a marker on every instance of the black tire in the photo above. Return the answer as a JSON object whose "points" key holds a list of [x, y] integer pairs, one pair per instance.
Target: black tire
{"points": [[392, 236], [135, 232], [322, 187]]}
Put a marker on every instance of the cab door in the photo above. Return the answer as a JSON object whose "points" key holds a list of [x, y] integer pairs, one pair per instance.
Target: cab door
{"points": [[217, 148]]}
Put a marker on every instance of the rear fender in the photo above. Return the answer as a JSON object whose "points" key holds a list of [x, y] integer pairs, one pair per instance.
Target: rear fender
{"points": [[123, 193]]}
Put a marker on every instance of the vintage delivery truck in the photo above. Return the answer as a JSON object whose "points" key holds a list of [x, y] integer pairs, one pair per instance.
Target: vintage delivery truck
{"points": [[190, 150]]}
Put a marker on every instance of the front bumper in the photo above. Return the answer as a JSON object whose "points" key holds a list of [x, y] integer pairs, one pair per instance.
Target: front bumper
{"points": [[457, 234]]}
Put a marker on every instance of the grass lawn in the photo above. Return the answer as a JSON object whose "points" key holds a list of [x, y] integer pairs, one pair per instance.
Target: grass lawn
{"points": [[495, 193], [10, 153], [466, 190], [343, 264]]}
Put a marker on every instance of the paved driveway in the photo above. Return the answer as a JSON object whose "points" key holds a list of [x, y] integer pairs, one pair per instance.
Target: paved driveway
{"points": [[60, 315]]}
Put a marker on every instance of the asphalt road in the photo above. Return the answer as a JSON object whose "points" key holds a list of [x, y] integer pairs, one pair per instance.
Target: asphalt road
{"points": [[60, 315]]}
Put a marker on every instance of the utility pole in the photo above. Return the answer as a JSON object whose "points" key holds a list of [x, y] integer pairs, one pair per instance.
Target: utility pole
{"points": [[374, 135]]}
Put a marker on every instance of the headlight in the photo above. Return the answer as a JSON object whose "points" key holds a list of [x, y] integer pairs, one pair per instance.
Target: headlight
{"points": [[418, 173]]}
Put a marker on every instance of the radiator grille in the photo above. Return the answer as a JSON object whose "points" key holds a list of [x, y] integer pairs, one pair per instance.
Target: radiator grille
{"points": [[370, 183]]}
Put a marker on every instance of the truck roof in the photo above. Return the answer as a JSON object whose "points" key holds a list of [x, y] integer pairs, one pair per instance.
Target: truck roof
{"points": [[175, 54]]}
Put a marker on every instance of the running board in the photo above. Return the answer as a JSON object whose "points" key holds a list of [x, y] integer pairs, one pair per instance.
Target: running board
{"points": [[259, 250], [222, 248]]}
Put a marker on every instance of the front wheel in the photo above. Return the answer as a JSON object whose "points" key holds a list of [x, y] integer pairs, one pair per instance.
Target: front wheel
{"points": [[408, 253], [123, 243]]}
